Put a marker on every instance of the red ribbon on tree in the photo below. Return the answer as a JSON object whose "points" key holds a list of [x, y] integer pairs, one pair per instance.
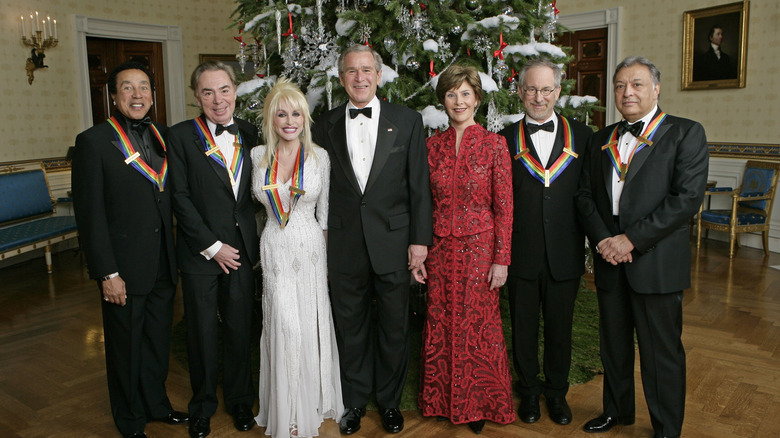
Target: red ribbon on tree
{"points": [[290, 30], [512, 78], [500, 52], [432, 73], [555, 10], [239, 38]]}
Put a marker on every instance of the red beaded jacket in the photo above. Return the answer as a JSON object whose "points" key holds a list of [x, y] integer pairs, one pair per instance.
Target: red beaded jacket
{"points": [[472, 190]]}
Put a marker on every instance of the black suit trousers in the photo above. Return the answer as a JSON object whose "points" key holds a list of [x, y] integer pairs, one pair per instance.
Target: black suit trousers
{"points": [[232, 296], [657, 319], [556, 300], [371, 314], [137, 342]]}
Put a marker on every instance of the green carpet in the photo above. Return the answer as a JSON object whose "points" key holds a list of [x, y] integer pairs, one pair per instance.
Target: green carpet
{"points": [[585, 340]]}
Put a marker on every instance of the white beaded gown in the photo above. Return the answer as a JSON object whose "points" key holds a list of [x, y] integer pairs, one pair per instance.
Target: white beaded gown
{"points": [[300, 384]]}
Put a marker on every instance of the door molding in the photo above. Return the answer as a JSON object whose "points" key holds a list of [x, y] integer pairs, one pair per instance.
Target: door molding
{"points": [[609, 18], [169, 36]]}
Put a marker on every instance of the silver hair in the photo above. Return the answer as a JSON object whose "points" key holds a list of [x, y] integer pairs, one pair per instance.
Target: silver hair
{"points": [[356, 49], [634, 60], [541, 62]]}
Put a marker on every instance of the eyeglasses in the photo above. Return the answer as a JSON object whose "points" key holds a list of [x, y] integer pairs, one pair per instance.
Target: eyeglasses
{"points": [[531, 91]]}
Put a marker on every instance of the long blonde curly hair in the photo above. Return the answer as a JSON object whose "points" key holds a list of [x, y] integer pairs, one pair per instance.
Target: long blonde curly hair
{"points": [[285, 91]]}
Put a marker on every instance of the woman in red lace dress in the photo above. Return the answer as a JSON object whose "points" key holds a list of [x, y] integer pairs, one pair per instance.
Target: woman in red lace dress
{"points": [[465, 371]]}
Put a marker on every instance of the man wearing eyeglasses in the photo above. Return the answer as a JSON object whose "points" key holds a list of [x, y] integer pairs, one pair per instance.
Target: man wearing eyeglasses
{"points": [[548, 244]]}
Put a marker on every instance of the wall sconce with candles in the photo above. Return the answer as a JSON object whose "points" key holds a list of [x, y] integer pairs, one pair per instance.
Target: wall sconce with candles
{"points": [[43, 35]]}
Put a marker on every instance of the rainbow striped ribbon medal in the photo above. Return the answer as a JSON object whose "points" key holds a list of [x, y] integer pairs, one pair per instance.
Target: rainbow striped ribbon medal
{"points": [[212, 150], [133, 158], [546, 176], [271, 187], [646, 139]]}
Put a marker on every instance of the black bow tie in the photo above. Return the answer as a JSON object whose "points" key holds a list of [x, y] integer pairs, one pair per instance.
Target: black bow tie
{"points": [[353, 112], [232, 129], [635, 129], [533, 127], [140, 125]]}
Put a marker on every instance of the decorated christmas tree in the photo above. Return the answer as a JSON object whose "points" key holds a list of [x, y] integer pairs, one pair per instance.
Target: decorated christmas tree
{"points": [[417, 41]]}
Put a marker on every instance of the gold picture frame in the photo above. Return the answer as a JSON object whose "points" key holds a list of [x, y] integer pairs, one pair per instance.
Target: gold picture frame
{"points": [[704, 68]]}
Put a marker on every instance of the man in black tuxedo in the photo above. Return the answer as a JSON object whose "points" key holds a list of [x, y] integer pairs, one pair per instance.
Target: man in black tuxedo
{"points": [[123, 209], [714, 63], [217, 245], [644, 179], [379, 226], [548, 243]]}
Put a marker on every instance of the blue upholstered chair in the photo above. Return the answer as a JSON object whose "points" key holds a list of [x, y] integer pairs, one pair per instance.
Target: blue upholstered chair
{"points": [[751, 205]]}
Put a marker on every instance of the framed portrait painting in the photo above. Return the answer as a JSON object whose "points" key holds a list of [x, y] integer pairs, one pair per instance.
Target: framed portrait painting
{"points": [[715, 47]]}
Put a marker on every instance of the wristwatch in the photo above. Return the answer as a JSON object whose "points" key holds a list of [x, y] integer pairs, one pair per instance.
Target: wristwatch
{"points": [[109, 277]]}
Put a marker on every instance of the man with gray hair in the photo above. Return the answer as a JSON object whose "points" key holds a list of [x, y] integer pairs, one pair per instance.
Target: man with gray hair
{"points": [[379, 226], [644, 179], [217, 245], [548, 252]]}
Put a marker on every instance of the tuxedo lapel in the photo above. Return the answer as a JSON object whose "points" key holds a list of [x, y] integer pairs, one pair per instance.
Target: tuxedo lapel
{"points": [[530, 143], [385, 139], [640, 157], [246, 166], [338, 139], [201, 148], [557, 148], [607, 170]]}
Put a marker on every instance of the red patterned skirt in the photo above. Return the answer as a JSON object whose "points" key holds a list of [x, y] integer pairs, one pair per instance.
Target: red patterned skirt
{"points": [[464, 373]]}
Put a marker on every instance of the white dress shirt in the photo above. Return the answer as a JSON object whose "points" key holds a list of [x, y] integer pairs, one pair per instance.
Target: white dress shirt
{"points": [[542, 140], [225, 143], [626, 144], [361, 140]]}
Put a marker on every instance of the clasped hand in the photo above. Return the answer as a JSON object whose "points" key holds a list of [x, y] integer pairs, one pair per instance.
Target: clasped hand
{"points": [[417, 255], [616, 249]]}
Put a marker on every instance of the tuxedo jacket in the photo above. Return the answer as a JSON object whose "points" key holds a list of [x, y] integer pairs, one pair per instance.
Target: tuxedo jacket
{"points": [[663, 189], [120, 213], [395, 209], [545, 218], [203, 201]]}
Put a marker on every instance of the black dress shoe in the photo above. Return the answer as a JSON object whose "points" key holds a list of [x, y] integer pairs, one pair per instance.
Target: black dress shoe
{"points": [[476, 426], [200, 428], [137, 435], [558, 410], [604, 422], [243, 419], [529, 409], [175, 417], [392, 420], [350, 421]]}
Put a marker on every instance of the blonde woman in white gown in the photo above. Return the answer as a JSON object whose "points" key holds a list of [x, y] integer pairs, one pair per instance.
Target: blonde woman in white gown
{"points": [[299, 367]]}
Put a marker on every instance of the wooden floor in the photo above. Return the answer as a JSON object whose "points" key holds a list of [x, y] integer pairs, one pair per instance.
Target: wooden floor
{"points": [[53, 382]]}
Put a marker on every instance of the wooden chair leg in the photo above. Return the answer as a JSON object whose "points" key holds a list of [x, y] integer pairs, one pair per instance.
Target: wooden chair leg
{"points": [[765, 236], [698, 228], [47, 254], [731, 246]]}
